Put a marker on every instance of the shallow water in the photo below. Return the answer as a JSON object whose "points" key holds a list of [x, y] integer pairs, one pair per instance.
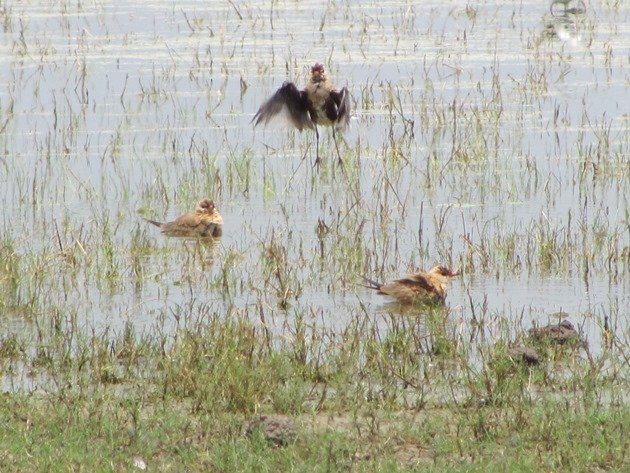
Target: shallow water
{"points": [[498, 122]]}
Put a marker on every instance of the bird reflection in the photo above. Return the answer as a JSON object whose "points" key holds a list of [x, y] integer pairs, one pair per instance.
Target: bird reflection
{"points": [[566, 27]]}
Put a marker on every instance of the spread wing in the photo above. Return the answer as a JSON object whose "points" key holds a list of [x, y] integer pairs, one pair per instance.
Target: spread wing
{"points": [[287, 100], [338, 108]]}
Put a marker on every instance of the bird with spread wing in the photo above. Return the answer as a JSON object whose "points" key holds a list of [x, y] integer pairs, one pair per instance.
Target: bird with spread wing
{"points": [[319, 103]]}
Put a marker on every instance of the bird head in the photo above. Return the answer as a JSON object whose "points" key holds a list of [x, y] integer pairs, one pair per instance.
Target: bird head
{"points": [[318, 72], [205, 206], [444, 271]]}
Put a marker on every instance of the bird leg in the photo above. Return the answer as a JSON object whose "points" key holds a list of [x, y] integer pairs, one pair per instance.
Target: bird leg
{"points": [[337, 147], [317, 159]]}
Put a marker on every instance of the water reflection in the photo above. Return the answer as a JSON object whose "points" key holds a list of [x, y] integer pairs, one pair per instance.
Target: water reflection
{"points": [[564, 29]]}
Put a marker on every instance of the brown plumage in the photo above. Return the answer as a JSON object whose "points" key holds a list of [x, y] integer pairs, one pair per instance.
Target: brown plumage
{"points": [[205, 221], [562, 333], [320, 103], [421, 287]]}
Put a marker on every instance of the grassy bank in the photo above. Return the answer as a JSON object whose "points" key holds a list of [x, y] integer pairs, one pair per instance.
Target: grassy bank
{"points": [[356, 401]]}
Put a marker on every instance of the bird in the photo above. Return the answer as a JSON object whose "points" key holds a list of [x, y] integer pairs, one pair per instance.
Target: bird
{"points": [[278, 430], [205, 221], [523, 354], [577, 10], [319, 103], [419, 287], [560, 334]]}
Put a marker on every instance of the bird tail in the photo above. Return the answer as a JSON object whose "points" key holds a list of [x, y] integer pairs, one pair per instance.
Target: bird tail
{"points": [[371, 284], [157, 224]]}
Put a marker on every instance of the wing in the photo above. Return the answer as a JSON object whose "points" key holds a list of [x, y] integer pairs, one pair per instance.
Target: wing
{"points": [[338, 108], [157, 224], [371, 284], [421, 280], [214, 224], [188, 221], [184, 225], [289, 101], [217, 231]]}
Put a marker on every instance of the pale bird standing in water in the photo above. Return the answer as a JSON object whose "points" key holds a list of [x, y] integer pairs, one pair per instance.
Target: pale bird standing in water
{"points": [[205, 221], [417, 288], [320, 103]]}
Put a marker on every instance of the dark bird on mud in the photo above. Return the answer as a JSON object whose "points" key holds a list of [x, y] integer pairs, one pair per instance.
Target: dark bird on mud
{"points": [[561, 334], [417, 288], [320, 103], [205, 221], [523, 354]]}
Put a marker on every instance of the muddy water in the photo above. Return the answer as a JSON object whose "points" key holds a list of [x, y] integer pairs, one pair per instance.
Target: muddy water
{"points": [[474, 126]]}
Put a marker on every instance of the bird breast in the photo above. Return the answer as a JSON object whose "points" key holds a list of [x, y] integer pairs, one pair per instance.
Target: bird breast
{"points": [[212, 219], [319, 93]]}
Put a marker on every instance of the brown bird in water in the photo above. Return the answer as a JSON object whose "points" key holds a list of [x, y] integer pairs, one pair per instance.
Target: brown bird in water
{"points": [[320, 103], [205, 221], [561, 334], [421, 287]]}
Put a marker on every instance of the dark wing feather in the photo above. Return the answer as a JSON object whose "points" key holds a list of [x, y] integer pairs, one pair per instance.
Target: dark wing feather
{"points": [[339, 109], [371, 283], [420, 281], [287, 99], [157, 224]]}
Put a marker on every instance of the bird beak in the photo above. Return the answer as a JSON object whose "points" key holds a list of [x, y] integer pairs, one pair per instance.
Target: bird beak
{"points": [[454, 273]]}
